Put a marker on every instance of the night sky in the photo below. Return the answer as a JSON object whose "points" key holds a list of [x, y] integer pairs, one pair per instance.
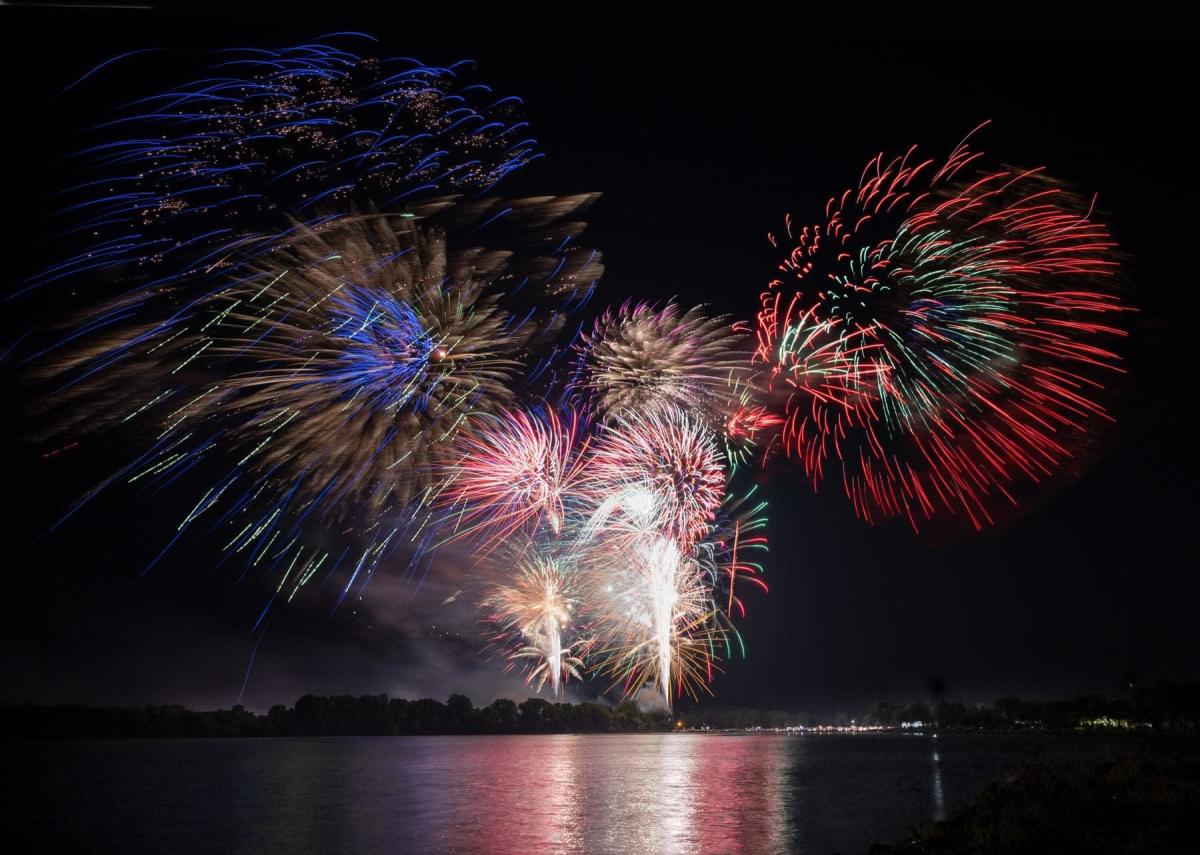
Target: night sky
{"points": [[700, 143]]}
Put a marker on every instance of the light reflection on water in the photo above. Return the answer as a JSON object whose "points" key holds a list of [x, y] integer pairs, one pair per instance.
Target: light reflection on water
{"points": [[635, 794], [652, 793], [939, 792]]}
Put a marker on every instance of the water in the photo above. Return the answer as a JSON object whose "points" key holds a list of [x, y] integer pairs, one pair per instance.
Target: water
{"points": [[685, 793]]}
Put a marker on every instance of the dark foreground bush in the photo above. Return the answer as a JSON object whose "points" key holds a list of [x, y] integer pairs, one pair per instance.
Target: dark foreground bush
{"points": [[1148, 802]]}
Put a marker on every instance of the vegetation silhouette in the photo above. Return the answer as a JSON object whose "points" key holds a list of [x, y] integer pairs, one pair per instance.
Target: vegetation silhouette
{"points": [[338, 715], [1159, 707]]}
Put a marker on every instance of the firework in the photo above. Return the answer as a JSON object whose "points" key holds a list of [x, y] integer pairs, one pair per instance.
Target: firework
{"points": [[327, 321], [655, 485], [511, 471], [667, 616], [750, 426], [179, 180], [942, 335], [334, 373], [389, 350], [655, 618], [664, 471], [534, 611], [639, 357]]}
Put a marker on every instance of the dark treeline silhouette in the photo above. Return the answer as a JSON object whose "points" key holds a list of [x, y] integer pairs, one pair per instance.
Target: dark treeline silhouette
{"points": [[341, 715], [1160, 705], [1163, 706]]}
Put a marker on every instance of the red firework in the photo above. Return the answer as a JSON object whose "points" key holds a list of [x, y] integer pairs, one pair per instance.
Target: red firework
{"points": [[942, 335]]}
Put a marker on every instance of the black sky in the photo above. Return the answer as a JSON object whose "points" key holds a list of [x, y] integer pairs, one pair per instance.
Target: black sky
{"points": [[700, 140]]}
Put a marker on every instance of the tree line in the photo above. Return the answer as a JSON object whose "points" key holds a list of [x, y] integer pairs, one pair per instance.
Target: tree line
{"points": [[340, 715], [1163, 706]]}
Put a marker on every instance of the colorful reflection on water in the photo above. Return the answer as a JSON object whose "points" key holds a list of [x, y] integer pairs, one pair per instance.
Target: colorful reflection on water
{"points": [[652, 793]]}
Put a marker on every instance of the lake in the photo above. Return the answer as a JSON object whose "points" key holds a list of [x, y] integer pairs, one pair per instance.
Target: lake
{"points": [[686, 792]]}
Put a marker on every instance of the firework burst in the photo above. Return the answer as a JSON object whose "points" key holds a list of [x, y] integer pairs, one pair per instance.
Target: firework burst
{"points": [[639, 357], [534, 612], [383, 338], [941, 335], [656, 619], [670, 462], [514, 471], [179, 180]]}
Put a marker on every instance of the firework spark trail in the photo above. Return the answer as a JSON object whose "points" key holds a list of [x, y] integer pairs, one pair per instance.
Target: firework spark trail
{"points": [[731, 551], [941, 334], [178, 179]]}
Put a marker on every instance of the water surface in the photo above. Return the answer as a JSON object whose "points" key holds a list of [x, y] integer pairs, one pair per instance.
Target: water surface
{"points": [[669, 793]]}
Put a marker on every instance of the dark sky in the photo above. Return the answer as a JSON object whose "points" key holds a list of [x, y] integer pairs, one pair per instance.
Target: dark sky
{"points": [[700, 142]]}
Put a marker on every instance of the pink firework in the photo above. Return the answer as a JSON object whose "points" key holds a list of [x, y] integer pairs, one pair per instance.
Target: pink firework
{"points": [[511, 472], [669, 468]]}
